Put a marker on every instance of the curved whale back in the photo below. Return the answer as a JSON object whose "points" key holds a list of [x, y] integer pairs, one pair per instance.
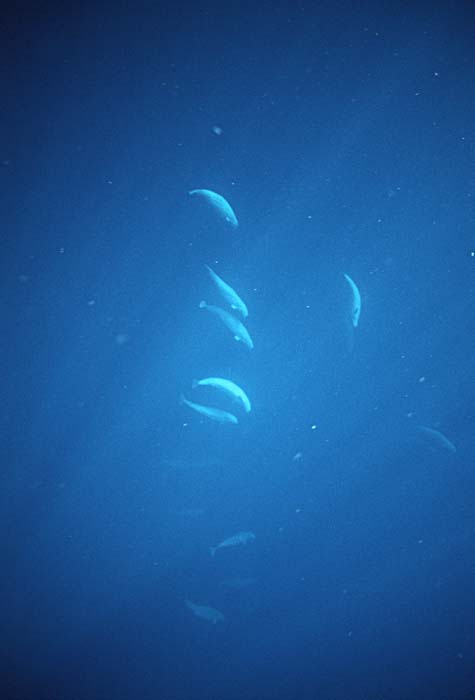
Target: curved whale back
{"points": [[238, 329], [219, 204], [230, 296], [355, 301]]}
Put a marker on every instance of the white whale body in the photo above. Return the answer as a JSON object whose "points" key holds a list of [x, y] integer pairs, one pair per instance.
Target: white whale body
{"points": [[238, 329], [241, 538], [222, 207], [228, 293], [355, 301], [206, 612], [435, 439], [213, 413], [227, 387]]}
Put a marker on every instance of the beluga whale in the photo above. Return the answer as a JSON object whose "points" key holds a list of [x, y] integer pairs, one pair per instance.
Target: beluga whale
{"points": [[237, 328], [215, 414], [206, 612], [435, 439], [227, 387], [241, 538], [355, 301], [220, 205], [227, 292]]}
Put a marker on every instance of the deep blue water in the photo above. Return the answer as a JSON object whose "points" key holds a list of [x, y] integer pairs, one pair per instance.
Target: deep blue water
{"points": [[343, 136]]}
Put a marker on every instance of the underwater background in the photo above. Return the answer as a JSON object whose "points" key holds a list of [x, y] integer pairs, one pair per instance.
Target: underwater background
{"points": [[342, 135]]}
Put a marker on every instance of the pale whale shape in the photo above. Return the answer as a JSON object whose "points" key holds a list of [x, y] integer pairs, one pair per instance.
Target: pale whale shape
{"points": [[435, 439], [228, 293], [213, 413], [219, 204], [239, 538], [205, 612], [238, 329], [227, 387], [355, 301]]}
